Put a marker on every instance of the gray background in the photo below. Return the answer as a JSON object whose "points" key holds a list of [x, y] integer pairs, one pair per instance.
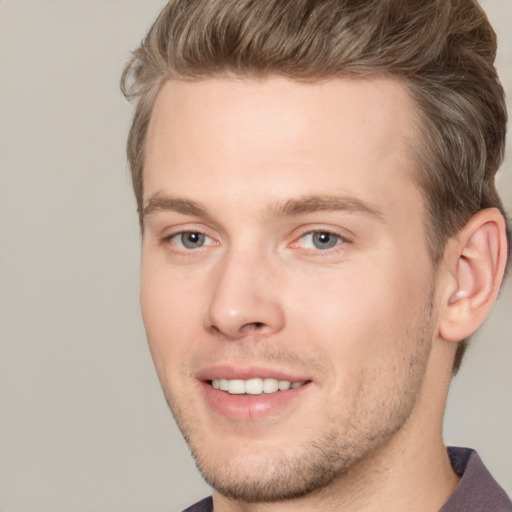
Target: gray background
{"points": [[83, 425]]}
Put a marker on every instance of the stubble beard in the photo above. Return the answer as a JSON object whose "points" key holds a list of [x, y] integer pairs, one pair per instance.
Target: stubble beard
{"points": [[318, 463]]}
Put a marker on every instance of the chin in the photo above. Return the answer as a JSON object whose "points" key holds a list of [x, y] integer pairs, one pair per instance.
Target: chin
{"points": [[271, 478]]}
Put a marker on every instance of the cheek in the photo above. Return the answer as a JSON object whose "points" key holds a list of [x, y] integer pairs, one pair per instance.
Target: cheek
{"points": [[170, 314], [355, 315]]}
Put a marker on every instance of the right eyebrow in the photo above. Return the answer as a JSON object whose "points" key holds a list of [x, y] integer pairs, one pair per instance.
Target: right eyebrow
{"points": [[327, 203], [159, 202]]}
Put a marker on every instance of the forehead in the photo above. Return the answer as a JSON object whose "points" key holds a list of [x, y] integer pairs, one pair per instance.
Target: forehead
{"points": [[345, 134]]}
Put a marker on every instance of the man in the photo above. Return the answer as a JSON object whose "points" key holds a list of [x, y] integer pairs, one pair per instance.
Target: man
{"points": [[321, 236]]}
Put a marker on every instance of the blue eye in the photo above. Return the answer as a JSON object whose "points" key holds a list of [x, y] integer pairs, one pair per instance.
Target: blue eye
{"points": [[189, 239], [321, 240]]}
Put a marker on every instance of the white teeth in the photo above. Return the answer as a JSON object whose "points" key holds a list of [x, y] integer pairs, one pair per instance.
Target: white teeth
{"points": [[270, 386], [255, 386], [284, 385], [236, 387]]}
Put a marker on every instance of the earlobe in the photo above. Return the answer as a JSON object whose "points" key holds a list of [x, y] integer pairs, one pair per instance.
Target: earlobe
{"points": [[475, 259]]}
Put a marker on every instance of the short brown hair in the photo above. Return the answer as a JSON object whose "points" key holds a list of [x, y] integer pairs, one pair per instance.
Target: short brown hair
{"points": [[443, 50]]}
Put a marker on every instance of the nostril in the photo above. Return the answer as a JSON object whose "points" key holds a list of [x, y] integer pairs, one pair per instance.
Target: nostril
{"points": [[253, 327]]}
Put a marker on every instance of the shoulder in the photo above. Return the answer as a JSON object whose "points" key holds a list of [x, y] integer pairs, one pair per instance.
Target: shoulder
{"points": [[205, 505], [477, 490]]}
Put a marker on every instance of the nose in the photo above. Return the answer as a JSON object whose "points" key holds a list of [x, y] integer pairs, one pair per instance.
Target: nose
{"points": [[245, 298]]}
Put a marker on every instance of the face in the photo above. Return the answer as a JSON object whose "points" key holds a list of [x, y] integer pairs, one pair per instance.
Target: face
{"points": [[286, 283]]}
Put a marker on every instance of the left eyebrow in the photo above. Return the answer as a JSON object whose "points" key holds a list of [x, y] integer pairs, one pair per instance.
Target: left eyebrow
{"points": [[325, 203]]}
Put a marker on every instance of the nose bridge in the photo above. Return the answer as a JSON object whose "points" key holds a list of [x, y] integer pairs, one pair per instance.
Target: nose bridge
{"points": [[244, 298]]}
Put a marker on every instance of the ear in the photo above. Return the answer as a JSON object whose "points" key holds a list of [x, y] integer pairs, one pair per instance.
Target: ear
{"points": [[474, 263]]}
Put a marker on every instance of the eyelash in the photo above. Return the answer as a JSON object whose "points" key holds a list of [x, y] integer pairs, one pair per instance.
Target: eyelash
{"points": [[168, 239], [341, 241]]}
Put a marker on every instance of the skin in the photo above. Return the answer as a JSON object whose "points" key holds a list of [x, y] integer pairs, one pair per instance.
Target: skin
{"points": [[258, 167]]}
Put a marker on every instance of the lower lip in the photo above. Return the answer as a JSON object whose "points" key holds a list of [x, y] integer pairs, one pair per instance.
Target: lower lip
{"points": [[250, 407]]}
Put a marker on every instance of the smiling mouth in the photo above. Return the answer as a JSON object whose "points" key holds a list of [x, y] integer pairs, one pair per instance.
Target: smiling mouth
{"points": [[256, 386]]}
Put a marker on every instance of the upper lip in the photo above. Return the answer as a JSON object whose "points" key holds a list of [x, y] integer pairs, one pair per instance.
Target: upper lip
{"points": [[249, 372]]}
